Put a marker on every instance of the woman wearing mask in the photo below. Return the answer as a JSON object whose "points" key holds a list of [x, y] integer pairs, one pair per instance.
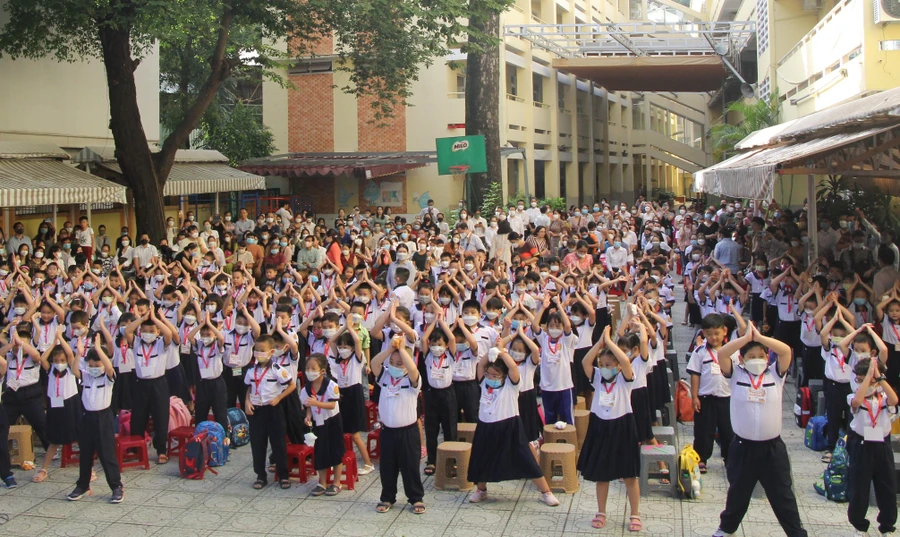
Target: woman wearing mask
{"points": [[500, 245], [403, 260], [383, 256], [45, 233], [538, 240], [125, 257], [333, 249], [556, 230]]}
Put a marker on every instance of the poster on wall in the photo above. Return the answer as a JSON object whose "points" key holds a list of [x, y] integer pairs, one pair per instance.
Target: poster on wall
{"points": [[386, 194]]}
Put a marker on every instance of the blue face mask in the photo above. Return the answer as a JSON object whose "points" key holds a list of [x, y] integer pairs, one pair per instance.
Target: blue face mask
{"points": [[295, 301], [493, 383], [514, 325], [859, 301], [596, 209], [617, 244], [584, 211], [314, 279], [396, 372], [608, 373], [251, 241]]}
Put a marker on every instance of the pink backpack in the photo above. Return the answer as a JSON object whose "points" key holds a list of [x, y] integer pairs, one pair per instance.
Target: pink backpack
{"points": [[125, 422], [179, 415]]}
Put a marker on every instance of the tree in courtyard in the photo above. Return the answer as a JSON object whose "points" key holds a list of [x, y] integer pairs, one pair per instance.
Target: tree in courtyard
{"points": [[756, 115], [381, 43]]}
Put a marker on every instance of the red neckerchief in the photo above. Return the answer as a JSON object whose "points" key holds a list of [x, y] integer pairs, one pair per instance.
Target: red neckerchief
{"points": [[551, 348], [58, 374], [838, 356], [258, 380], [440, 364], [342, 365], [208, 358], [873, 417], [611, 386], [123, 348], [312, 392], [756, 385], [715, 357], [147, 355]]}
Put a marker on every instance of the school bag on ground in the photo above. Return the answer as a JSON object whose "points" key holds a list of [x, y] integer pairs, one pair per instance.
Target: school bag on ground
{"points": [[689, 482], [803, 407], [123, 423], [814, 438], [834, 479], [684, 406], [218, 451], [193, 460], [239, 427], [179, 415]]}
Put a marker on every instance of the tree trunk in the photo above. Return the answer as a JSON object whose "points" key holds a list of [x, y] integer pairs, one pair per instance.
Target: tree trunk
{"points": [[483, 102], [132, 151]]}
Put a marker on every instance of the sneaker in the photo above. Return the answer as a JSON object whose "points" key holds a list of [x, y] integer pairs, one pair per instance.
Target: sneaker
{"points": [[366, 469], [77, 494], [477, 496], [721, 533], [10, 482], [549, 499], [117, 496]]}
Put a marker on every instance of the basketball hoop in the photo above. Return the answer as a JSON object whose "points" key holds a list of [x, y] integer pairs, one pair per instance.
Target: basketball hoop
{"points": [[459, 172]]}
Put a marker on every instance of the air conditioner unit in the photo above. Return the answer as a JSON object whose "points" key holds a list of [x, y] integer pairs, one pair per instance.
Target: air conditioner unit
{"points": [[887, 11]]}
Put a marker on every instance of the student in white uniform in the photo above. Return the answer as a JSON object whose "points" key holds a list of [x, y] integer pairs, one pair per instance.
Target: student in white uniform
{"points": [[347, 362], [23, 394], [557, 344], [757, 453], [321, 397], [64, 410], [207, 344], [441, 408], [869, 448], [151, 397]]}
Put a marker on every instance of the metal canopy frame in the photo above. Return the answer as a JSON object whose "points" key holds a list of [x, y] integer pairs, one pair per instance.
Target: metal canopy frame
{"points": [[874, 156]]}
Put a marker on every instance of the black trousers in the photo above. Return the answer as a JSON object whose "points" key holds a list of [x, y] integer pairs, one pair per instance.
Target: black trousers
{"points": [[27, 401], [766, 462], [714, 415], [813, 365], [871, 463], [440, 413], [97, 434], [401, 450], [789, 333], [836, 409], [467, 396], [267, 428], [211, 394], [151, 399], [237, 390], [5, 466]]}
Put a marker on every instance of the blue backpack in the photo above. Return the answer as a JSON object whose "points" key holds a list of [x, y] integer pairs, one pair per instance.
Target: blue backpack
{"points": [[239, 432], [218, 451], [815, 433], [834, 486]]}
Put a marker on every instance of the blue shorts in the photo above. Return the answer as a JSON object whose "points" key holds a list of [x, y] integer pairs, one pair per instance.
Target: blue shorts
{"points": [[557, 406]]}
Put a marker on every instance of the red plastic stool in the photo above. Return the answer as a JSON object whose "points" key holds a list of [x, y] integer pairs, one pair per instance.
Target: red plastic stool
{"points": [[137, 458], [371, 415], [300, 461], [351, 472], [373, 443], [178, 437], [348, 442]]}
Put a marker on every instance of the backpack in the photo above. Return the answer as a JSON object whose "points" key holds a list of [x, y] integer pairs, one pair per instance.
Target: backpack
{"points": [[803, 407], [684, 406], [689, 472], [814, 438], [239, 432], [834, 479], [179, 415], [193, 460], [123, 423], [218, 451]]}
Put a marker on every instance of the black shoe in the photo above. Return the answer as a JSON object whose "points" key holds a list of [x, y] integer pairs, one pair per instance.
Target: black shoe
{"points": [[117, 496], [10, 482], [77, 494]]}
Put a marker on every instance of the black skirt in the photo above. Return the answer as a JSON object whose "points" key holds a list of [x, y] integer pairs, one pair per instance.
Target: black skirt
{"points": [[757, 308], [191, 368], [177, 384], [295, 419], [602, 321], [329, 446], [663, 392], [528, 411], [579, 379], [62, 422], [611, 450], [640, 405], [500, 452], [353, 409], [694, 317], [122, 390]]}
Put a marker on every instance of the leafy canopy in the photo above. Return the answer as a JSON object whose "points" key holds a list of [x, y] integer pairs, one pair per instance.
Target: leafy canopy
{"points": [[757, 115]]}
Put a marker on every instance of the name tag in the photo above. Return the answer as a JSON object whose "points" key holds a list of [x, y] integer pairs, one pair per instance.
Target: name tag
{"points": [[235, 371], [608, 400], [871, 434], [715, 369], [553, 358], [255, 399], [186, 348], [437, 373], [56, 402], [756, 396], [392, 391]]}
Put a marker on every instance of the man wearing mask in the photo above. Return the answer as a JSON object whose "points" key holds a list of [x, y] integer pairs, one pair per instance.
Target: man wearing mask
{"points": [[102, 238], [430, 209], [533, 212], [308, 256], [145, 254], [244, 225], [18, 239], [826, 236], [469, 242]]}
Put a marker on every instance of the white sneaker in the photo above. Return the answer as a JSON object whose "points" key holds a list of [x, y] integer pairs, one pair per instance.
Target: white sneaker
{"points": [[549, 499], [720, 533], [477, 496], [366, 469]]}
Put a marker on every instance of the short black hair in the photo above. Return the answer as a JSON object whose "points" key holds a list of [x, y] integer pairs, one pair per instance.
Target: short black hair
{"points": [[712, 320]]}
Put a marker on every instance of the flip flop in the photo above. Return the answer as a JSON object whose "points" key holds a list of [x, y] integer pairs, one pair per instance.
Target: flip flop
{"points": [[383, 507], [40, 476], [418, 508], [598, 521], [429, 469], [332, 490], [664, 479], [285, 483], [162, 459], [635, 523], [258, 484]]}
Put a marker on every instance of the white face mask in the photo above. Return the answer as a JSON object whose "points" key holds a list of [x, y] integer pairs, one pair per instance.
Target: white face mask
{"points": [[470, 320], [756, 366], [517, 356], [96, 371], [313, 375], [61, 367], [328, 333], [554, 332], [148, 337], [344, 352], [438, 350], [207, 341]]}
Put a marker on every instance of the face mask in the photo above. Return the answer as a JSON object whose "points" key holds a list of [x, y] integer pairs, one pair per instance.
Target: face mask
{"points": [[529, 287], [107, 300], [190, 319], [80, 331], [328, 333], [402, 256], [859, 301], [262, 358], [517, 356], [608, 373], [313, 375], [344, 352], [241, 329], [755, 367], [837, 340], [470, 320], [126, 243], [429, 318], [554, 332], [492, 315], [206, 340], [444, 300], [462, 347], [576, 319], [61, 367], [493, 383], [147, 337], [701, 242], [96, 371], [396, 372], [437, 350]]}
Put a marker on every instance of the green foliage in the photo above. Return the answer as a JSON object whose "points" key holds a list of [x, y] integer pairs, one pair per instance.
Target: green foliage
{"points": [[756, 116], [837, 196], [239, 135], [493, 198], [557, 204]]}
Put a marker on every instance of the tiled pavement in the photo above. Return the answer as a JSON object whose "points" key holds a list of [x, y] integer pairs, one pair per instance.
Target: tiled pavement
{"points": [[158, 502]]}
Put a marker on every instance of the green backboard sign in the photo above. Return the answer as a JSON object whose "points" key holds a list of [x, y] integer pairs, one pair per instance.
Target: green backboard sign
{"points": [[461, 151]]}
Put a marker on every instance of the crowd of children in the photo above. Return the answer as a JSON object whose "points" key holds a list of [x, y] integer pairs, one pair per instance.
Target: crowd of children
{"points": [[461, 332]]}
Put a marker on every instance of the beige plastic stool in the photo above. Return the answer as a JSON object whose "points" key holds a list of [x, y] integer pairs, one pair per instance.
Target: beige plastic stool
{"points": [[579, 403], [582, 418], [465, 432], [453, 466], [558, 466], [552, 435], [20, 446]]}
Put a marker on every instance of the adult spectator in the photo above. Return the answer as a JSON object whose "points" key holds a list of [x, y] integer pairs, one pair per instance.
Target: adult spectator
{"points": [[533, 212], [333, 249], [885, 237], [285, 214], [18, 239], [727, 252], [538, 241], [430, 210], [579, 259], [541, 220], [102, 239], [145, 255], [887, 274], [526, 252], [708, 228], [308, 256], [469, 242], [122, 235], [826, 236], [618, 258], [256, 251], [244, 225]]}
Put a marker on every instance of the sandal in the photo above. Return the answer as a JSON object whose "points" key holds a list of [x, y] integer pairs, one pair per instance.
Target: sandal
{"points": [[332, 490], [702, 467], [271, 468], [285, 483], [258, 484], [635, 523], [664, 480], [383, 507], [318, 491], [826, 458], [162, 459], [598, 521], [40, 476], [429, 469], [418, 508]]}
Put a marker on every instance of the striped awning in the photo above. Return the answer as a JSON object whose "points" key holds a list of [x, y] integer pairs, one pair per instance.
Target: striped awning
{"points": [[204, 178], [33, 181]]}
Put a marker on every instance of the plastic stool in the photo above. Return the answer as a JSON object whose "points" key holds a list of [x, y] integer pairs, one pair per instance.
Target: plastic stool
{"points": [[582, 418], [580, 403], [665, 416], [301, 461], [70, 456], [20, 444], [552, 435], [650, 455], [348, 442], [452, 466], [558, 466], [664, 435], [135, 459], [371, 415], [350, 475], [465, 432], [373, 443], [177, 439]]}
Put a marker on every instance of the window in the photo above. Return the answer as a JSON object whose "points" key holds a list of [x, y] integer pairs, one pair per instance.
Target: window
{"points": [[561, 95], [460, 83], [311, 67], [562, 180], [512, 177], [762, 25], [512, 79], [539, 179], [636, 10], [537, 85]]}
